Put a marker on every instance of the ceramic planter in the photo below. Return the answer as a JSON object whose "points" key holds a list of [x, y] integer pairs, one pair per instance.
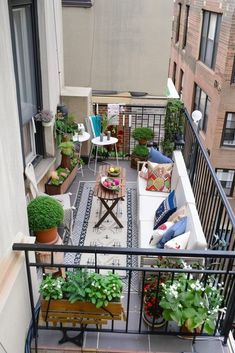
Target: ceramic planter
{"points": [[62, 188]]}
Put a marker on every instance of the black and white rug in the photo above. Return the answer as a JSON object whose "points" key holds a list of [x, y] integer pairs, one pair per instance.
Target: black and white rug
{"points": [[88, 212]]}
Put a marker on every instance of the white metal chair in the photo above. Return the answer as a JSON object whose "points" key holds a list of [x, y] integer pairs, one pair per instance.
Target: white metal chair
{"points": [[63, 198]]}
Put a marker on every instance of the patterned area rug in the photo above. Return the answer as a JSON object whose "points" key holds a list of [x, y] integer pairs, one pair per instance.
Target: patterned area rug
{"points": [[88, 212]]}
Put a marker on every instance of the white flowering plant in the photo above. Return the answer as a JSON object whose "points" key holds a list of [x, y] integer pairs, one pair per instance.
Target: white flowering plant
{"points": [[192, 302], [79, 285]]}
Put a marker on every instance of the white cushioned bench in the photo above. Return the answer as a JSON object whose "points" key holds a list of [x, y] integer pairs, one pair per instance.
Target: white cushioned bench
{"points": [[148, 202]]}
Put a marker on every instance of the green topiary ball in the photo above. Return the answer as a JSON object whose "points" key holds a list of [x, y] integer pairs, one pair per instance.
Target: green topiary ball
{"points": [[44, 212]]}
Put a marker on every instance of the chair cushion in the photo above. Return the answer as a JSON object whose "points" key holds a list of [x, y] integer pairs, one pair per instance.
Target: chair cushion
{"points": [[166, 208], [96, 125], [177, 229], [157, 157], [179, 243], [159, 177], [158, 233]]}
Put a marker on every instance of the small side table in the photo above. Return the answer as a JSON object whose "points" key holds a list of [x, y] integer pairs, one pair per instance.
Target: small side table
{"points": [[81, 138], [96, 143]]}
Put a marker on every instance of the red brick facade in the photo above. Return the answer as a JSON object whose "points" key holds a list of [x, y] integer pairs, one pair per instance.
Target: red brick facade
{"points": [[216, 83]]}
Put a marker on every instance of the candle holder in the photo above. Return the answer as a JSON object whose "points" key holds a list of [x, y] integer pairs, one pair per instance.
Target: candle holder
{"points": [[101, 137], [108, 135]]}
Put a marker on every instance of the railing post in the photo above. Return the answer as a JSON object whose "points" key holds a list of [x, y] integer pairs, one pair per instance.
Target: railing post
{"points": [[229, 317]]}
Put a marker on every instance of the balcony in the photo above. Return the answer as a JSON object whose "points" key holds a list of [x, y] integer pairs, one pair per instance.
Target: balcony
{"points": [[218, 224]]}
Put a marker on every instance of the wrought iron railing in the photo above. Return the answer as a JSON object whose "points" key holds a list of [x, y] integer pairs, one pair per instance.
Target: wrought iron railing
{"points": [[134, 279]]}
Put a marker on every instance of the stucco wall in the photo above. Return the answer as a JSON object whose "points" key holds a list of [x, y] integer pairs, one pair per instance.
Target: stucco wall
{"points": [[118, 45]]}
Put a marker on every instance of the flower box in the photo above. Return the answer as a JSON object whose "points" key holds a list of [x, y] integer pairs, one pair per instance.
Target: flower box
{"points": [[62, 188], [83, 313]]}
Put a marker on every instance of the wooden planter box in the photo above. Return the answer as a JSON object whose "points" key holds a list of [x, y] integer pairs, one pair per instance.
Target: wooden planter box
{"points": [[82, 313], [62, 188]]}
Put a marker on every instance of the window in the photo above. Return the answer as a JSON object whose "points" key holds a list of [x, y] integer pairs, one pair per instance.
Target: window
{"points": [[23, 22], [77, 3], [202, 103], [186, 26], [181, 83], [177, 31], [209, 38], [174, 72], [228, 137], [233, 72], [226, 177]]}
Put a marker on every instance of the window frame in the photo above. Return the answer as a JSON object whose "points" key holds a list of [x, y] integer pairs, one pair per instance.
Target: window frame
{"points": [[77, 3], [186, 19], [181, 83], [224, 128], [204, 121], [177, 31], [224, 170], [38, 137], [174, 70], [203, 51], [233, 72]]}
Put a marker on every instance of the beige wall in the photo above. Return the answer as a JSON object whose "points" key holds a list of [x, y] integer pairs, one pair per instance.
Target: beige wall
{"points": [[15, 311], [118, 45]]}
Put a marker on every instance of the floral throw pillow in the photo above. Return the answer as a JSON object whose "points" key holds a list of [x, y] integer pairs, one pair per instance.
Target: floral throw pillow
{"points": [[159, 177], [158, 233], [178, 243], [165, 210]]}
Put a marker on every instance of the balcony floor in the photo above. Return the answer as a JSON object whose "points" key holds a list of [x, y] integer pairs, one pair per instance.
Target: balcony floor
{"points": [[114, 342]]}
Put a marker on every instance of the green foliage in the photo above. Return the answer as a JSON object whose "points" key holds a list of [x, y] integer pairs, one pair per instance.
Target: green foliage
{"points": [[174, 125], [67, 148], [103, 288], [51, 287], [44, 212], [64, 125], [141, 151], [59, 176], [191, 303], [82, 285], [142, 133]]}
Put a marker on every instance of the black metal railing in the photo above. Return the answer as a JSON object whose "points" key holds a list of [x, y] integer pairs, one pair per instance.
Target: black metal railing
{"points": [[134, 279], [215, 212]]}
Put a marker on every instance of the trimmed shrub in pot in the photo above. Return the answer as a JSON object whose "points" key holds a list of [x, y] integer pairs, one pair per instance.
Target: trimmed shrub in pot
{"points": [[142, 135], [44, 215]]}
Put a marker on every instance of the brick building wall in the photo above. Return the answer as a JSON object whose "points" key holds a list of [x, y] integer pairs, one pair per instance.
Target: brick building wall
{"points": [[216, 82]]}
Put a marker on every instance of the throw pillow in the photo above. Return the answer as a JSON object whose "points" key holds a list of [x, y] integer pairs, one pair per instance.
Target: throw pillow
{"points": [[157, 157], [177, 215], [166, 208], [179, 243], [158, 233], [159, 177], [177, 229], [143, 173]]}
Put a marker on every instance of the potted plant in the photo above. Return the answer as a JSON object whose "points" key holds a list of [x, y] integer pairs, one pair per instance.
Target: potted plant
{"points": [[142, 135], [46, 117], [192, 303], [67, 150], [139, 153], [83, 296], [44, 215], [65, 127]]}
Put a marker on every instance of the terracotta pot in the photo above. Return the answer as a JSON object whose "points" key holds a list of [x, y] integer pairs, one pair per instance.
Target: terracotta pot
{"points": [[142, 142], [45, 256], [48, 236]]}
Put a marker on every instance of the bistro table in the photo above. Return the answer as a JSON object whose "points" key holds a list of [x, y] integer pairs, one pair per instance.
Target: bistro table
{"points": [[106, 195]]}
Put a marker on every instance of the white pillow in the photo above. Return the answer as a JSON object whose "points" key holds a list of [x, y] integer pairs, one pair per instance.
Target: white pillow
{"points": [[158, 233], [143, 173], [179, 243]]}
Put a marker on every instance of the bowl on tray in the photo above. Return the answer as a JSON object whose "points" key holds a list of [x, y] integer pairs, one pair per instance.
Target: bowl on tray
{"points": [[114, 171], [110, 183]]}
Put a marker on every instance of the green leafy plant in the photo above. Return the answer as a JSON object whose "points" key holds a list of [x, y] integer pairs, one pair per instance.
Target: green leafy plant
{"points": [[142, 133], [67, 148], [44, 212], [75, 285], [140, 150], [103, 288], [96, 288], [173, 126], [59, 176], [51, 287], [64, 125], [191, 302]]}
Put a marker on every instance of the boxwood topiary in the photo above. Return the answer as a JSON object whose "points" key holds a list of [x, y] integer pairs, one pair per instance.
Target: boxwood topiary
{"points": [[44, 212], [141, 151], [142, 133]]}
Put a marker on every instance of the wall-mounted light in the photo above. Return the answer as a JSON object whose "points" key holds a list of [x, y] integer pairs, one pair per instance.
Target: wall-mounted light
{"points": [[196, 116]]}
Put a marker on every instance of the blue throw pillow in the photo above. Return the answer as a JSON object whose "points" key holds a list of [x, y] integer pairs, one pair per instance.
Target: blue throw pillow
{"points": [[165, 210], [175, 230], [157, 157]]}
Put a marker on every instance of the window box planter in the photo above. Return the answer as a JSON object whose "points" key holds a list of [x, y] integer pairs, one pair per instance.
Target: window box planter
{"points": [[62, 188]]}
